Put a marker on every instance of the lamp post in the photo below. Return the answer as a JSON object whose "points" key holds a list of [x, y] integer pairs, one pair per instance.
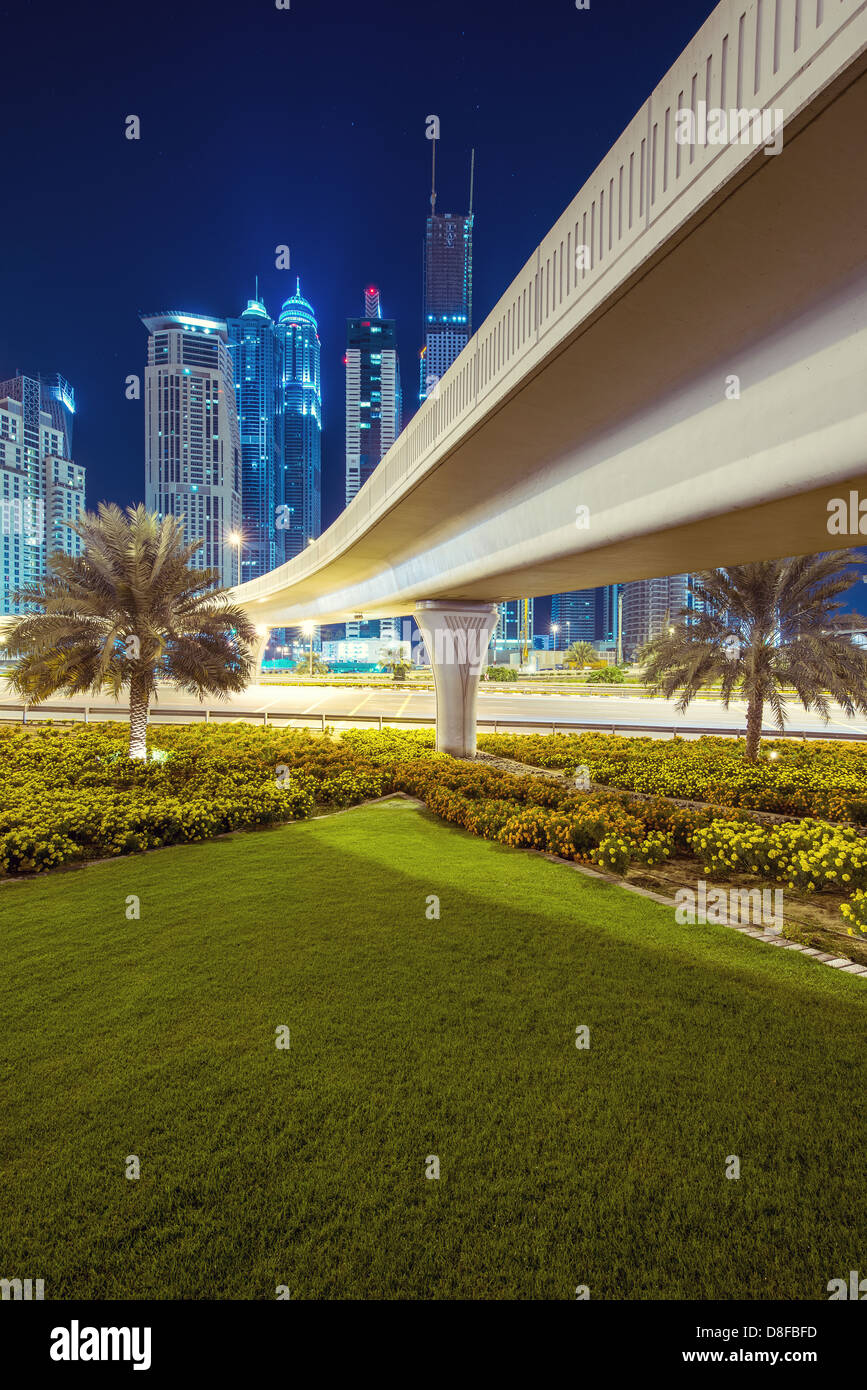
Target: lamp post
{"points": [[307, 629], [237, 540]]}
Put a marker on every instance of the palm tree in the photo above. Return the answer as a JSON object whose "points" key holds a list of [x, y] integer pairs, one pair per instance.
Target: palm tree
{"points": [[393, 659], [759, 629], [312, 666], [129, 610], [580, 654]]}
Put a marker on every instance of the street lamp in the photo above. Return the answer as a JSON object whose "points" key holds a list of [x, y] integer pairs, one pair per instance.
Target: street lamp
{"points": [[236, 539], [554, 630], [307, 629]]}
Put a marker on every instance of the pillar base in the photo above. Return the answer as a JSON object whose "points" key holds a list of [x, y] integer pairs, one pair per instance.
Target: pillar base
{"points": [[258, 652], [456, 637]]}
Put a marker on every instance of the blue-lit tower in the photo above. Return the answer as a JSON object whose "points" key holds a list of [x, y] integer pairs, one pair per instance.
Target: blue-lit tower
{"points": [[448, 289], [257, 352], [299, 479]]}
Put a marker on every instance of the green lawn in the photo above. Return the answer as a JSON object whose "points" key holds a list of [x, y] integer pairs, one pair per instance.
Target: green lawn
{"points": [[412, 1037]]}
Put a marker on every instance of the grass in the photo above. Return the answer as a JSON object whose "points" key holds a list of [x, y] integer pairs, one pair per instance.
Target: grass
{"points": [[411, 1037]]}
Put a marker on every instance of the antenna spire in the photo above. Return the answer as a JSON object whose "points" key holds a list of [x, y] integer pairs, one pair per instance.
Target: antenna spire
{"points": [[257, 289], [433, 179], [472, 172]]}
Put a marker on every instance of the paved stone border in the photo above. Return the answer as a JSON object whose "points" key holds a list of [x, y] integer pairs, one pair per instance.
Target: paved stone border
{"points": [[770, 938]]}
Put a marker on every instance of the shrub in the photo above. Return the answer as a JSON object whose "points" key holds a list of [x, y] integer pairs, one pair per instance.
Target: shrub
{"points": [[854, 913], [30, 850], [654, 849], [606, 675], [614, 853], [806, 854]]}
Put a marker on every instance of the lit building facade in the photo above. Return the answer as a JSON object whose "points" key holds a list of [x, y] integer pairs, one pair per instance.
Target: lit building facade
{"points": [[192, 441], [648, 605], [515, 622], [585, 615], [448, 295], [373, 399], [373, 416], [41, 488], [299, 475], [257, 353]]}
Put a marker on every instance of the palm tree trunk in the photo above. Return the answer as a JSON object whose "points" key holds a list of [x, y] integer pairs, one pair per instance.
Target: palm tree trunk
{"points": [[755, 709], [138, 717]]}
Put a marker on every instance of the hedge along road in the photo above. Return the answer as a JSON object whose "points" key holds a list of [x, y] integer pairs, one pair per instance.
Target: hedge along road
{"points": [[316, 702]]}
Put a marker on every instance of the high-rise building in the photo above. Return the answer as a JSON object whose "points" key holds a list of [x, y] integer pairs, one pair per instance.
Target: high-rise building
{"points": [[448, 290], [299, 477], [373, 417], [515, 623], [574, 615], [41, 489], [192, 444], [257, 353], [373, 398], [648, 605], [585, 615]]}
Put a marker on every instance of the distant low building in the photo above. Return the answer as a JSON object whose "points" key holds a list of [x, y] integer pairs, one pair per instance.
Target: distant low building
{"points": [[365, 650]]}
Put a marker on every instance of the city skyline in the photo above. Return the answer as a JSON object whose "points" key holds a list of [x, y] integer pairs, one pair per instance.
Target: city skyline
{"points": [[71, 300]]}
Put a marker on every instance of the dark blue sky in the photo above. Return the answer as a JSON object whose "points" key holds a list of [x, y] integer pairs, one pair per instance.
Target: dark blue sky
{"points": [[306, 127]]}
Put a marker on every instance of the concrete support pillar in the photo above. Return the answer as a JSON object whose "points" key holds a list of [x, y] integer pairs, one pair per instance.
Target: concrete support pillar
{"points": [[261, 642], [456, 636]]}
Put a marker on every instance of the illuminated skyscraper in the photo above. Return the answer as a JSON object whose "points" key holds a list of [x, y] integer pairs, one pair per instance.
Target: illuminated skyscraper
{"points": [[585, 615], [373, 416], [299, 476], [41, 489], [373, 406], [448, 289], [648, 604], [257, 351], [192, 443]]}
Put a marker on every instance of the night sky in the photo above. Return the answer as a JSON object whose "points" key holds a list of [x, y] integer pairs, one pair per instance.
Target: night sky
{"points": [[305, 127]]}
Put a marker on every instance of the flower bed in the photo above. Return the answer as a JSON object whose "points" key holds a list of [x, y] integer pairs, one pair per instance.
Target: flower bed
{"points": [[801, 779], [76, 796]]}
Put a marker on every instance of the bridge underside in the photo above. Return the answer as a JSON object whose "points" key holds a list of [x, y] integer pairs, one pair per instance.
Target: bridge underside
{"points": [[636, 417]]}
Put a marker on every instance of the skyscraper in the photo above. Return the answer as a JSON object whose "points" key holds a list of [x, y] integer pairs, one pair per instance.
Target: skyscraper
{"points": [[41, 489], [299, 477], [257, 353], [515, 622], [585, 615], [648, 604], [192, 443], [448, 289], [373, 399]]}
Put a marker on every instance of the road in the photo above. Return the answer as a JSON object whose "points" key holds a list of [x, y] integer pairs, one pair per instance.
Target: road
{"points": [[311, 704]]}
